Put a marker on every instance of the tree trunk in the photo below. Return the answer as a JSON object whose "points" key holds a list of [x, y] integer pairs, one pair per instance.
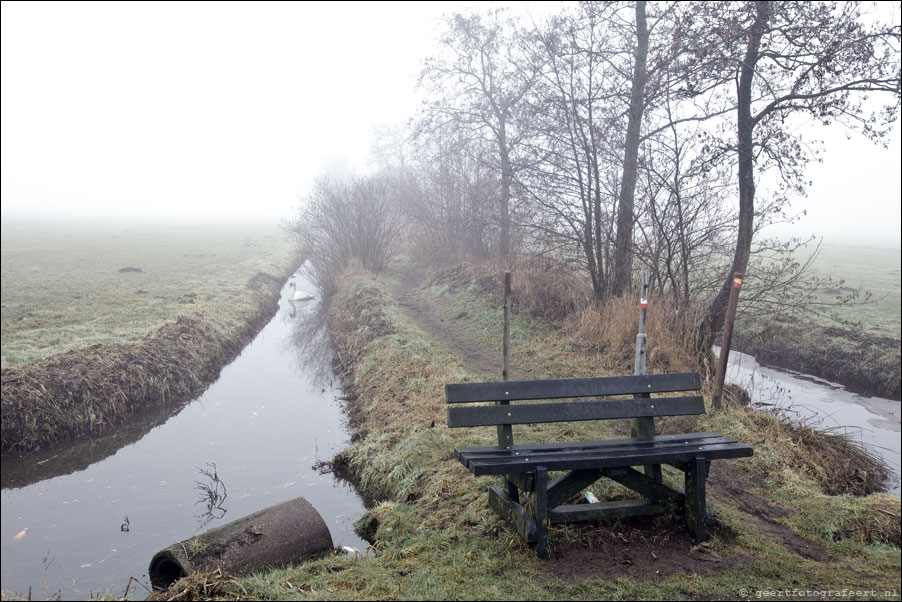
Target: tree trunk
{"points": [[714, 319], [623, 253]]}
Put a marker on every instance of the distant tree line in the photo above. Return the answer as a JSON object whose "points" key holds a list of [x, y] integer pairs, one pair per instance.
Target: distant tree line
{"points": [[615, 133]]}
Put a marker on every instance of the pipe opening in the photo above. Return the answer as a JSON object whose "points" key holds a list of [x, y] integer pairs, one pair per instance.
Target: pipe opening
{"points": [[164, 572]]}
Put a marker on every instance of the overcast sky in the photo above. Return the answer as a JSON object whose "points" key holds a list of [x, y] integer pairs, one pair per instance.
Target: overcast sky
{"points": [[221, 110]]}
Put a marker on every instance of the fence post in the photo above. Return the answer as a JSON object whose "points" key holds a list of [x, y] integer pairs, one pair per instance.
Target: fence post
{"points": [[717, 400], [505, 431], [506, 343]]}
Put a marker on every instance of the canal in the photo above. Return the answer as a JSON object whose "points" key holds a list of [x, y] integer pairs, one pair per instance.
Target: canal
{"points": [[86, 519]]}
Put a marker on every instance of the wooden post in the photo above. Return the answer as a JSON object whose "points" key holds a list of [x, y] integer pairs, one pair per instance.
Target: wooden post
{"points": [[541, 512], [717, 401], [505, 431], [506, 343]]}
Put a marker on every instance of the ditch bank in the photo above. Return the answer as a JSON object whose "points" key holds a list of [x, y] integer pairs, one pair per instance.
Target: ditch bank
{"points": [[863, 363], [86, 392]]}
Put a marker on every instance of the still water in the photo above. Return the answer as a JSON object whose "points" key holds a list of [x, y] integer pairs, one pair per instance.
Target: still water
{"points": [[93, 515], [872, 422]]}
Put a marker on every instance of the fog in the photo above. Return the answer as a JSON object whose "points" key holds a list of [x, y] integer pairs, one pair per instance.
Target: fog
{"points": [[228, 111]]}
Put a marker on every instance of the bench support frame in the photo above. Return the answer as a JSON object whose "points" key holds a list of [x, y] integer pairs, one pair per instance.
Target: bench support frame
{"points": [[546, 503]]}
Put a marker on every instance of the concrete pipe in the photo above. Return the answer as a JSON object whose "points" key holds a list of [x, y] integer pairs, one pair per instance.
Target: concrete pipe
{"points": [[277, 536]]}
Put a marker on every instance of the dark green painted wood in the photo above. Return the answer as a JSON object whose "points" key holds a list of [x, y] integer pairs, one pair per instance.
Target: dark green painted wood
{"points": [[571, 387], [644, 427], [573, 411], [647, 487], [578, 445], [513, 513], [611, 446], [541, 513], [524, 482], [586, 460], [569, 485], [605, 510], [505, 431], [695, 498]]}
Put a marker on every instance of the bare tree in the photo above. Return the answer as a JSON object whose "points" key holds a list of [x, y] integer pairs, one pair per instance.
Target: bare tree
{"points": [[787, 58], [479, 83], [623, 252], [347, 219]]}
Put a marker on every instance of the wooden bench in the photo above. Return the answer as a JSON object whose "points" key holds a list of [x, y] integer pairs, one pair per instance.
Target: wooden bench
{"points": [[525, 467]]}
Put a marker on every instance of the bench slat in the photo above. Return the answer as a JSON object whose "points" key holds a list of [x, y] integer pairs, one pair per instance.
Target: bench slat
{"points": [[577, 445], [636, 446], [567, 513], [571, 387], [607, 459], [574, 411]]}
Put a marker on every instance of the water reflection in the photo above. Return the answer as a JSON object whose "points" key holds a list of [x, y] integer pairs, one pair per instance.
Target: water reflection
{"points": [[212, 493], [309, 343], [73, 456]]}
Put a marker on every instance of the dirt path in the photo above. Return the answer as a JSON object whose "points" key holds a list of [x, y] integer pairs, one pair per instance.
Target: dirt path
{"points": [[429, 316]]}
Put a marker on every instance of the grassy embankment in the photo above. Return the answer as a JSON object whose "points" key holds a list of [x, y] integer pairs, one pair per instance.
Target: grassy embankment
{"points": [[101, 322], [435, 536], [863, 354]]}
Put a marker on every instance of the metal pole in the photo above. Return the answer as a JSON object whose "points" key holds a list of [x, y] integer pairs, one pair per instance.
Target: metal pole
{"points": [[644, 427], [641, 345], [717, 400]]}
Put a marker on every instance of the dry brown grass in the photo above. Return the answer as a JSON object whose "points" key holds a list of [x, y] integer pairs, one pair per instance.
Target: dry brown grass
{"points": [[540, 288], [202, 586], [611, 328], [548, 290]]}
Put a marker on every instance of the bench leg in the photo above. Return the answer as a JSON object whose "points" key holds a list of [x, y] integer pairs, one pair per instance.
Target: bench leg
{"points": [[512, 491], [696, 473], [541, 512]]}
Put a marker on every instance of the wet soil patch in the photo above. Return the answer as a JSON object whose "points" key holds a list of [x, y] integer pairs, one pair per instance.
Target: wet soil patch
{"points": [[641, 548], [727, 481]]}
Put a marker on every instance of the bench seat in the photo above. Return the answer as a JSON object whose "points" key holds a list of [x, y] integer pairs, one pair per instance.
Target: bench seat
{"points": [[610, 453]]}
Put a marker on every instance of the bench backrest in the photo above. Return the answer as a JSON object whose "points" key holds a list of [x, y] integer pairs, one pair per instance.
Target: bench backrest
{"points": [[642, 405]]}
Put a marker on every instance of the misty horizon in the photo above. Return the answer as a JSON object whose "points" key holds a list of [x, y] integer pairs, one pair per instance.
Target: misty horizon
{"points": [[244, 107]]}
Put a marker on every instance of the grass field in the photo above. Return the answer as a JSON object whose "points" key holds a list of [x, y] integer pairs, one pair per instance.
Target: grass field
{"points": [[855, 343], [69, 286], [878, 271]]}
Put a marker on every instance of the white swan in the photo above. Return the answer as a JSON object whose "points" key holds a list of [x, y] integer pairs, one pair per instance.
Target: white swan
{"points": [[295, 295]]}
